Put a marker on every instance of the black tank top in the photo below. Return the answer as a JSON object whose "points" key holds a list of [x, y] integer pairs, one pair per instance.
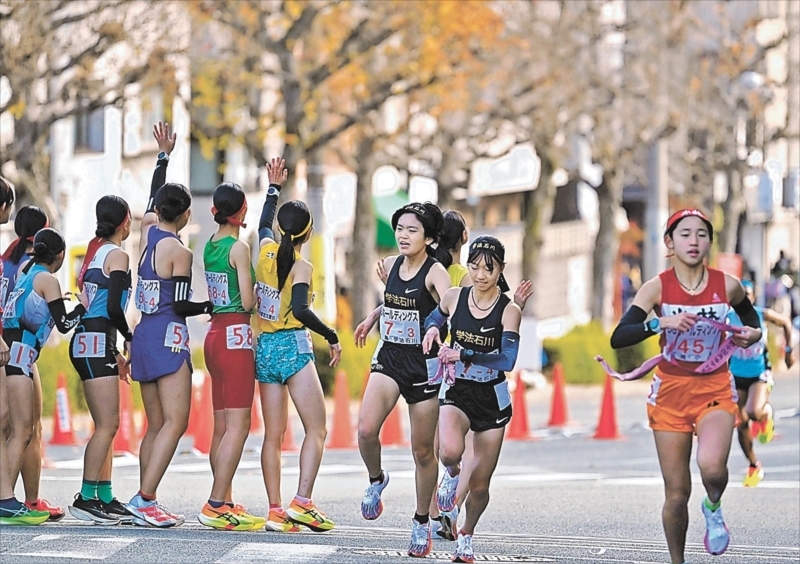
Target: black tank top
{"points": [[481, 335], [406, 304]]}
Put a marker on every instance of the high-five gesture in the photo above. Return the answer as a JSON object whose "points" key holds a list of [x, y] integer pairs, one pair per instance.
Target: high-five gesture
{"points": [[276, 169], [164, 137]]}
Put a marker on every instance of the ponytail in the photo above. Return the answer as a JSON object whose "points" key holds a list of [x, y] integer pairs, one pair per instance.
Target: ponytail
{"points": [[47, 245], [28, 222], [294, 223]]}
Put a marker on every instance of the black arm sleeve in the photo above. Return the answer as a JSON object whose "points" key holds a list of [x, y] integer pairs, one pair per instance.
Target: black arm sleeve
{"points": [[631, 329], [119, 281], [65, 321], [307, 317], [747, 313], [181, 303], [159, 179], [268, 215]]}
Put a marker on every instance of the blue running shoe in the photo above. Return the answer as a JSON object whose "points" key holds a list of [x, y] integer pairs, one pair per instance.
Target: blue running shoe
{"points": [[421, 540], [717, 534], [372, 505], [446, 494]]}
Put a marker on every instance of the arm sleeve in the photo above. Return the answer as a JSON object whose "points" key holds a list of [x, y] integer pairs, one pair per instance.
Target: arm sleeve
{"points": [[504, 360], [268, 215], [159, 179], [65, 321], [747, 313], [182, 305], [119, 281], [437, 319], [307, 317], [632, 329]]}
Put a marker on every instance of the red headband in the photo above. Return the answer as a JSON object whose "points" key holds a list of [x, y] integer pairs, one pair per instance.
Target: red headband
{"points": [[232, 218], [680, 214], [126, 218]]}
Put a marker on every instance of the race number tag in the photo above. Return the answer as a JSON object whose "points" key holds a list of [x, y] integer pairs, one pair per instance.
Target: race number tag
{"points": [[702, 340], [473, 371], [91, 291], [147, 293], [754, 351], [23, 356], [268, 300], [239, 336], [218, 288], [10, 310], [89, 345], [304, 345], [3, 290], [177, 337], [400, 326]]}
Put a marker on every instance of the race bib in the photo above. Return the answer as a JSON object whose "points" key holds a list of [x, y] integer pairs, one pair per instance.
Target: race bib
{"points": [[400, 326], [90, 290], [697, 344], [304, 345], [10, 310], [473, 371], [23, 356], [89, 345], [147, 294], [239, 336], [218, 288], [177, 337], [268, 300], [3, 290], [502, 394], [754, 351]]}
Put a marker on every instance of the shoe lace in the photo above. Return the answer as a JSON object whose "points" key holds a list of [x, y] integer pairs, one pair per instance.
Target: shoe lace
{"points": [[465, 543], [419, 533], [371, 495]]}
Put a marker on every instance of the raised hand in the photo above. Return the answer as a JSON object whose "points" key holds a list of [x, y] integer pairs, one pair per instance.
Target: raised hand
{"points": [[164, 137], [524, 291], [276, 170], [381, 270]]}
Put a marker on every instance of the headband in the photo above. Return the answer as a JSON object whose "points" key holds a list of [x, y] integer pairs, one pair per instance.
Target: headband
{"points": [[231, 218], [303, 232], [681, 214]]}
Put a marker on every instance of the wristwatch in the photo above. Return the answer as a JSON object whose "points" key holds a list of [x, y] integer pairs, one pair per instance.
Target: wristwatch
{"points": [[467, 355], [274, 190], [788, 349], [162, 156], [654, 325]]}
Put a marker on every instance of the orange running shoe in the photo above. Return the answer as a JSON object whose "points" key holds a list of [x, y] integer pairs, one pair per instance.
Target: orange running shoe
{"points": [[308, 515]]}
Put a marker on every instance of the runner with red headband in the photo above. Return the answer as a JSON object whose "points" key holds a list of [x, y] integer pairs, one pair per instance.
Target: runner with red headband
{"points": [[29, 220], [692, 390], [229, 357], [105, 279]]}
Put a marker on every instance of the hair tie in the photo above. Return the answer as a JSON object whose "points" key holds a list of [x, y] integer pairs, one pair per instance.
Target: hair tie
{"points": [[304, 231], [231, 219]]}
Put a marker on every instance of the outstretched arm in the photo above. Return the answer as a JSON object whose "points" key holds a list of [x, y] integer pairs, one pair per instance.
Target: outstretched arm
{"points": [[166, 143], [276, 169]]}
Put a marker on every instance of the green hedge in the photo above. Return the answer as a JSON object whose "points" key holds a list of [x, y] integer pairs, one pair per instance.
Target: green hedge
{"points": [[355, 362], [576, 351]]}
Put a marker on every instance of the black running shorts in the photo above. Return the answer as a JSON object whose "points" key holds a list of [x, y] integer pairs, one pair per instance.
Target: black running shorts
{"points": [[409, 368], [486, 405], [93, 349]]}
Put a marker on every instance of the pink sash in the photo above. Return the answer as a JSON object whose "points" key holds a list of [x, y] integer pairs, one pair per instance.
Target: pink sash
{"points": [[445, 372], [717, 359]]}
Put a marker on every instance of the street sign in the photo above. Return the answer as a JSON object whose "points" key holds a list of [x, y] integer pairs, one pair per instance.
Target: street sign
{"points": [[339, 202], [515, 172], [423, 189], [385, 180]]}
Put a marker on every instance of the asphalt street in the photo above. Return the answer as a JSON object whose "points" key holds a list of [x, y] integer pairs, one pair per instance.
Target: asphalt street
{"points": [[562, 497]]}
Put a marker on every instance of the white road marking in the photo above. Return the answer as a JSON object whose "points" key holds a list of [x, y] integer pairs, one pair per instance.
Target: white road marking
{"points": [[63, 546], [246, 552]]}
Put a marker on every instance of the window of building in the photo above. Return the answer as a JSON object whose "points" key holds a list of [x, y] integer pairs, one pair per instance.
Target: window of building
{"points": [[90, 131], [204, 173]]}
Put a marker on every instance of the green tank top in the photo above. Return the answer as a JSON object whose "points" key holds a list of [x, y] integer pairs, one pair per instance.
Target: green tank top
{"points": [[221, 277]]}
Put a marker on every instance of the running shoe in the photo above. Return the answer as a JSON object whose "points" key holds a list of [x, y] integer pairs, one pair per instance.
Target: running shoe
{"points": [[766, 430], [278, 522], [116, 509], [150, 513], [56, 513], [91, 510], [756, 428], [23, 515], [372, 505], [446, 494], [257, 520], [753, 476], [717, 534], [464, 552], [421, 540], [223, 518], [308, 515], [449, 529]]}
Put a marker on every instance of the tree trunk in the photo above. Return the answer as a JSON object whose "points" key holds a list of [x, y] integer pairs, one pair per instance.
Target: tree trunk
{"points": [[538, 210], [361, 257], [604, 256], [732, 209]]}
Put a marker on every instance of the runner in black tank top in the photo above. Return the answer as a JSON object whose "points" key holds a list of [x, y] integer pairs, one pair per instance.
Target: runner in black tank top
{"points": [[484, 344], [416, 282]]}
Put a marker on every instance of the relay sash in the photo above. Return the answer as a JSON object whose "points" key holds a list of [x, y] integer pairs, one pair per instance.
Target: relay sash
{"points": [[717, 359]]}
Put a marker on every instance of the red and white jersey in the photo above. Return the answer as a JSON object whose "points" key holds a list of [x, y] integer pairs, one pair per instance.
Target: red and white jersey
{"points": [[691, 348]]}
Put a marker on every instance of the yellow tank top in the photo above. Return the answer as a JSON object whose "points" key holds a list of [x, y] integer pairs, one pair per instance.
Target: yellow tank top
{"points": [[274, 308], [457, 273]]}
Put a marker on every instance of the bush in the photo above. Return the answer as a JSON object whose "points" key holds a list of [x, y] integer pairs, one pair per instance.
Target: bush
{"points": [[355, 362], [633, 357], [52, 360], [576, 351]]}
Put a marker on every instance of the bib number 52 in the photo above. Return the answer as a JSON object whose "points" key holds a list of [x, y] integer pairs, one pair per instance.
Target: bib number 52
{"points": [[177, 337]]}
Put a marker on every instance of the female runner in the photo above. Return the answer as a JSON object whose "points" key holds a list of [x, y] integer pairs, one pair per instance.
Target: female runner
{"points": [[285, 357]]}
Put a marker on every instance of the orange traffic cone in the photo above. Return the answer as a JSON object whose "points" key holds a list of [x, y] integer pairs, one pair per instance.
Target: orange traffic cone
{"points": [[342, 427], [63, 432], [195, 414], [46, 462], [125, 439], [364, 385], [607, 425], [392, 430], [518, 429], [256, 424], [288, 436], [205, 420], [558, 408]]}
